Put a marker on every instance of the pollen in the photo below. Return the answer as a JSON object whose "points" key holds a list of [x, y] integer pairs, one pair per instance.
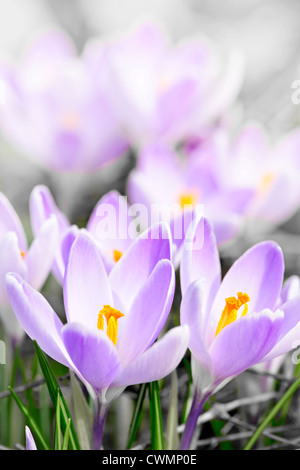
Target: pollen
{"points": [[188, 198], [117, 255], [23, 254], [111, 316], [231, 308]]}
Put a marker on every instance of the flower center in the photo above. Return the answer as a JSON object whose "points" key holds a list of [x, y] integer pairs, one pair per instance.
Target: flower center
{"points": [[23, 254], [232, 306], [70, 121], [117, 255], [111, 316], [188, 198], [266, 183]]}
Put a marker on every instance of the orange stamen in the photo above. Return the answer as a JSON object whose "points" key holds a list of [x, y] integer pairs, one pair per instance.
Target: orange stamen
{"points": [[231, 308], [111, 316]]}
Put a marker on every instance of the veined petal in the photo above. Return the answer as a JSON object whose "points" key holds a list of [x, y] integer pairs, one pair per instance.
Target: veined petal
{"points": [[148, 313], [93, 353], [37, 317], [86, 287], [133, 269], [158, 361], [259, 273], [245, 342], [200, 260], [193, 313], [10, 222], [40, 255]]}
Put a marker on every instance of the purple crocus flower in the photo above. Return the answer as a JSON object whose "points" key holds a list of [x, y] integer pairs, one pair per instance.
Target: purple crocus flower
{"points": [[30, 442], [54, 111], [252, 162], [235, 323], [175, 189], [110, 225], [32, 263], [162, 91], [112, 320]]}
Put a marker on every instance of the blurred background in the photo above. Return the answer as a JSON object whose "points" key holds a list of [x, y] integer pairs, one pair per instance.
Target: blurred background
{"points": [[267, 33]]}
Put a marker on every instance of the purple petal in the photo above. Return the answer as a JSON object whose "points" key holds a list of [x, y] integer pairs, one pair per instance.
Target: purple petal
{"points": [[93, 353], [245, 342], [30, 442], [158, 361], [200, 259], [86, 287], [11, 260], [37, 317], [39, 258], [259, 273], [10, 222], [133, 269], [148, 313]]}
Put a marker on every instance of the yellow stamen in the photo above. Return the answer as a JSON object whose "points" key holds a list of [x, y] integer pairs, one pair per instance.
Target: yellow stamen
{"points": [[23, 254], [188, 198], [111, 316], [117, 255], [232, 306]]}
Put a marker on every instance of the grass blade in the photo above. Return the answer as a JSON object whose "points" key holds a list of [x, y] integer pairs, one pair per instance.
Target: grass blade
{"points": [[83, 415], [53, 388], [157, 436], [30, 420], [65, 443], [137, 415], [57, 423], [172, 440]]}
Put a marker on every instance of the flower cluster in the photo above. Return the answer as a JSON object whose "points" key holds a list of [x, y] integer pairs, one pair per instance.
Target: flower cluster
{"points": [[193, 189]]}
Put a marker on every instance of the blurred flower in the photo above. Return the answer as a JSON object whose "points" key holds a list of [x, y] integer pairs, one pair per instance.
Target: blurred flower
{"points": [[163, 92], [271, 172], [112, 321], [30, 442], [110, 225], [235, 323], [33, 263], [53, 110], [175, 188]]}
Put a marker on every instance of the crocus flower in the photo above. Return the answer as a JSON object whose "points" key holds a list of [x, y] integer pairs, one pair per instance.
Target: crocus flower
{"points": [[254, 163], [110, 225], [30, 442], [54, 112], [112, 320], [175, 189], [162, 91], [33, 263], [235, 323]]}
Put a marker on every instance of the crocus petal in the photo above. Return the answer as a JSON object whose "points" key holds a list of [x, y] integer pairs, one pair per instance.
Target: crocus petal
{"points": [[86, 287], [290, 331], [148, 313], [245, 342], [290, 289], [40, 256], [30, 442], [93, 353], [158, 361], [37, 317], [10, 222], [200, 259], [133, 269], [259, 273], [11, 260], [193, 313]]}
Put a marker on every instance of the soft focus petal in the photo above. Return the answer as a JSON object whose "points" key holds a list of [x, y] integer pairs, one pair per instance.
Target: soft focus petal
{"points": [[10, 222], [10, 260], [158, 361]]}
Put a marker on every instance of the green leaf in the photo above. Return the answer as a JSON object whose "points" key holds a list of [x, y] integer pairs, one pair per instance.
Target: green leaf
{"points": [[172, 440], [30, 420], [137, 415], [65, 443], [288, 394], [157, 436], [83, 415], [57, 423], [53, 388]]}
